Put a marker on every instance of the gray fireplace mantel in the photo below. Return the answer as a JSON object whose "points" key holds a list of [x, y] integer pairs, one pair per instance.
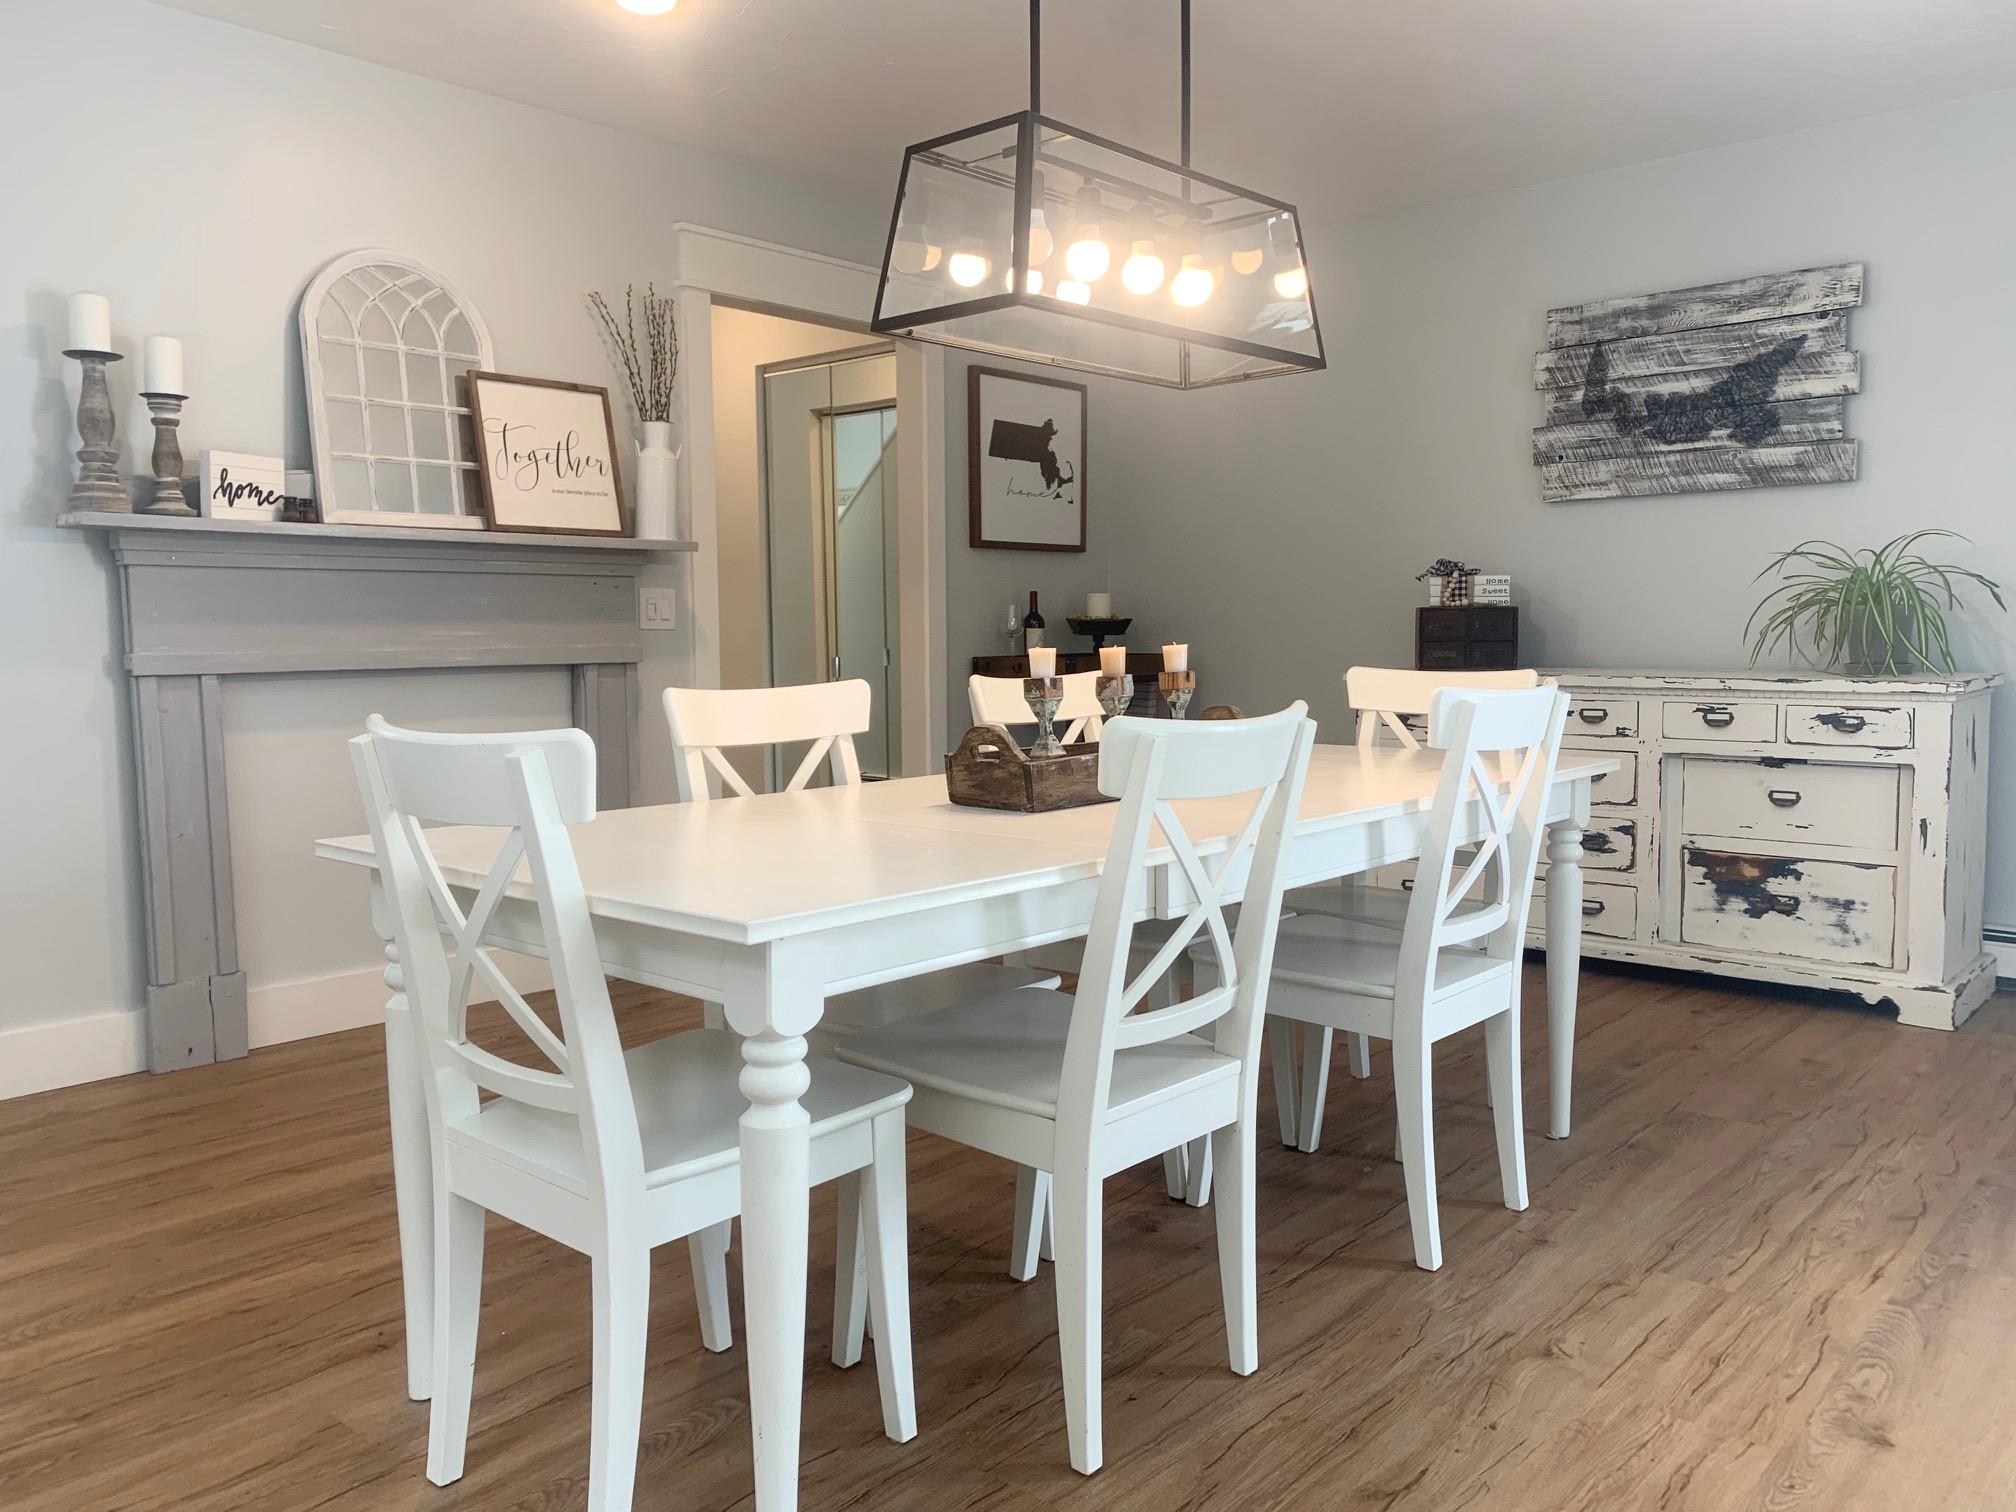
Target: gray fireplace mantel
{"points": [[206, 600]]}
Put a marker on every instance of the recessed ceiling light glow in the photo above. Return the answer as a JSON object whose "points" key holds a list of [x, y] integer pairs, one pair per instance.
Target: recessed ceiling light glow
{"points": [[647, 7]]}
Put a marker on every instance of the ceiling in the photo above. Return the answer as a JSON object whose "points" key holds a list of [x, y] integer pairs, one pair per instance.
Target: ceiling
{"points": [[1344, 105]]}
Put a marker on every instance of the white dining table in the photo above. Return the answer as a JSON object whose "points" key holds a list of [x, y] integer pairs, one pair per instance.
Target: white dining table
{"points": [[769, 905]]}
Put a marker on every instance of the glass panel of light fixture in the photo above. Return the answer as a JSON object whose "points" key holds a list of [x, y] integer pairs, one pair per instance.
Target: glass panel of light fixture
{"points": [[955, 221]]}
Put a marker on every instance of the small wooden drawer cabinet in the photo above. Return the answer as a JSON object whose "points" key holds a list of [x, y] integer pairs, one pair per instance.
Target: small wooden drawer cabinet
{"points": [[1466, 638], [1828, 831]]}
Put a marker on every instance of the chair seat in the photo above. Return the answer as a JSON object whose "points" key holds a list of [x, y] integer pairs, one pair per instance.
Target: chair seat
{"points": [[1384, 906], [1008, 1051], [866, 1007], [1333, 954], [689, 1111]]}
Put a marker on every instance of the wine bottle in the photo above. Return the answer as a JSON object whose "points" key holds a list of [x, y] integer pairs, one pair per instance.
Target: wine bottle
{"points": [[1032, 624]]}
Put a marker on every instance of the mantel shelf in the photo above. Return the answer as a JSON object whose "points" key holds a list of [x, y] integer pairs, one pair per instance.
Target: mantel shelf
{"points": [[421, 535]]}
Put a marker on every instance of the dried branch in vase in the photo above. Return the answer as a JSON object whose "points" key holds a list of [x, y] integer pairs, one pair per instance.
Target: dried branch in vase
{"points": [[650, 357]]}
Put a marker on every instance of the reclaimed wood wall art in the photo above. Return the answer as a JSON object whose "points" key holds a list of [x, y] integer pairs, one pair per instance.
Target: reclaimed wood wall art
{"points": [[1730, 385]]}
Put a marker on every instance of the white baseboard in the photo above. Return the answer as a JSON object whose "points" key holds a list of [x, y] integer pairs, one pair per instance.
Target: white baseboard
{"points": [[42, 1057], [2001, 944]]}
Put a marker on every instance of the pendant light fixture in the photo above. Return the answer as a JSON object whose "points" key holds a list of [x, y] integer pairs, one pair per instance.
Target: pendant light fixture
{"points": [[1114, 260]]}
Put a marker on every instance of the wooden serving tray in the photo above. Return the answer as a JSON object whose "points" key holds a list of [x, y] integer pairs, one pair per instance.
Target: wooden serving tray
{"points": [[989, 770]]}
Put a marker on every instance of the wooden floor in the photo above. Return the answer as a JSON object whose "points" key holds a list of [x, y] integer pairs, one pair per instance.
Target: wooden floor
{"points": [[1775, 1267]]}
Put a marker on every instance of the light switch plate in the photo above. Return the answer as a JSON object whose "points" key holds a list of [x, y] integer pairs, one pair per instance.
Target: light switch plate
{"points": [[658, 609]]}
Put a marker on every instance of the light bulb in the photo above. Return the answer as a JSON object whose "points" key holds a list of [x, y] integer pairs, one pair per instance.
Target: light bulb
{"points": [[1034, 283], [966, 268], [1292, 283], [1073, 292], [906, 254], [1143, 272], [647, 7], [1087, 259], [1192, 284], [1247, 260], [1041, 242]]}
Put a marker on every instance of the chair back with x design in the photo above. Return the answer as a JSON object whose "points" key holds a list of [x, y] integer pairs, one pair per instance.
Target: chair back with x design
{"points": [[1386, 696], [1475, 880], [707, 721], [530, 786], [1151, 765]]}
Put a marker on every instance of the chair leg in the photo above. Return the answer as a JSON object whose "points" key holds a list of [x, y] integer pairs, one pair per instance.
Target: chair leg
{"points": [[622, 1307], [885, 1215], [850, 1275], [1077, 1200], [1281, 1040], [708, 1249], [1361, 1055], [458, 1298], [1049, 1249], [1197, 1163], [1032, 1218], [1501, 1059], [1176, 1172], [1413, 1078], [1315, 1087], [1238, 1264]]}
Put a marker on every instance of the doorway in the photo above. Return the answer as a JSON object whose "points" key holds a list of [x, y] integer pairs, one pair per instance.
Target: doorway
{"points": [[829, 498]]}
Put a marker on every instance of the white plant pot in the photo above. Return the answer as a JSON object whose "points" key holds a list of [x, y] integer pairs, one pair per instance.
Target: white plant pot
{"points": [[656, 508]]}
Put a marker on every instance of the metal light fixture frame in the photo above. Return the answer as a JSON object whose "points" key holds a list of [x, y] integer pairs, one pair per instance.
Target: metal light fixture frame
{"points": [[1029, 126]]}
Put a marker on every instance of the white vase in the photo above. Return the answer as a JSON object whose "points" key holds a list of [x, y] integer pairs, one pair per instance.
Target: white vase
{"points": [[657, 504]]}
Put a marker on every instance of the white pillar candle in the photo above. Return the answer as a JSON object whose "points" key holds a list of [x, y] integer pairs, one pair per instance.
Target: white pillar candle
{"points": [[163, 366], [1098, 606], [90, 323], [1176, 658], [1042, 661], [1113, 661]]}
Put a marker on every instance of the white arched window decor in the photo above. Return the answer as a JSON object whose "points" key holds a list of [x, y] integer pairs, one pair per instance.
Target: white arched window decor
{"points": [[385, 341]]}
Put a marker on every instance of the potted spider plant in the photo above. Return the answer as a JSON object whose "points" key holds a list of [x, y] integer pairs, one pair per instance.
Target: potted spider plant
{"points": [[1880, 611]]}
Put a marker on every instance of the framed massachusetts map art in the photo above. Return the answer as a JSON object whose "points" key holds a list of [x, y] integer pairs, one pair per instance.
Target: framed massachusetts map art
{"points": [[547, 456], [1025, 449]]}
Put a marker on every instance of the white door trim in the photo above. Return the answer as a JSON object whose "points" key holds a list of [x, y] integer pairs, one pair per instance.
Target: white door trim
{"points": [[791, 282]]}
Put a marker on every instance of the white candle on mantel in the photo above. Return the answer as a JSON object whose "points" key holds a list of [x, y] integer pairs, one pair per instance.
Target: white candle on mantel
{"points": [[1042, 661], [90, 323], [1098, 606], [1175, 658], [163, 366], [1113, 661]]}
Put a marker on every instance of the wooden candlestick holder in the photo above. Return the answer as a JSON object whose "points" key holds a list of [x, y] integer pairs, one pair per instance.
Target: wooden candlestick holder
{"points": [[1044, 696], [97, 486], [1114, 693], [1178, 688], [168, 496]]}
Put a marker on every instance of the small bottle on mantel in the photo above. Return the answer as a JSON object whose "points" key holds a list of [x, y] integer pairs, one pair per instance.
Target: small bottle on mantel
{"points": [[1032, 625], [1011, 626]]}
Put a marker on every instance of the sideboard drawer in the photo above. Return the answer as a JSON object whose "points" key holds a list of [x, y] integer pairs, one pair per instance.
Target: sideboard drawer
{"points": [[1608, 844], [1789, 906], [1888, 729], [1609, 909], [1744, 720], [1603, 718], [1814, 802], [1618, 789]]}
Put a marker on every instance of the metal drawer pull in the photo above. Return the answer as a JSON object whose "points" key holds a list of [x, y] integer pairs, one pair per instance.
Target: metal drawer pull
{"points": [[1406, 884], [1784, 905], [1593, 716], [1717, 719], [1784, 797], [1593, 907], [1849, 724]]}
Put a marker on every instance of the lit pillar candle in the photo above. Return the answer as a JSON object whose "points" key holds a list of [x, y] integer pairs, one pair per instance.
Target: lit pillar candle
{"points": [[1042, 661], [1098, 606], [90, 323], [164, 366], [1176, 658], [1113, 661]]}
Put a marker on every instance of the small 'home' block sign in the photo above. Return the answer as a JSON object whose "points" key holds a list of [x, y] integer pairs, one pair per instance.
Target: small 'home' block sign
{"points": [[1730, 385]]}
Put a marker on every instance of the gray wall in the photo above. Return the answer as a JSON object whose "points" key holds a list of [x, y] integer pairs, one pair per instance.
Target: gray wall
{"points": [[1281, 524], [211, 172]]}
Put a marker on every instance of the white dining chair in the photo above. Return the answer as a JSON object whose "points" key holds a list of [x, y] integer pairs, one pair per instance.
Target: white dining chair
{"points": [[1083, 1086], [1456, 961], [609, 1153], [1385, 699], [708, 722], [999, 701]]}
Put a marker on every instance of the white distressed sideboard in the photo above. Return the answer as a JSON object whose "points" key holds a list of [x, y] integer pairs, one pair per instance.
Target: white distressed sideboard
{"points": [[1823, 830]]}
